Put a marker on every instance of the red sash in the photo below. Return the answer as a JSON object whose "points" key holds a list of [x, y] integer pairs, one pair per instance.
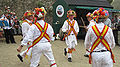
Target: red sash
{"points": [[100, 39], [43, 34], [71, 29], [27, 22]]}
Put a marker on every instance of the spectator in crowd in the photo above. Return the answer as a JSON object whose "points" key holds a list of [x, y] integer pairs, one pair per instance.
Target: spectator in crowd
{"points": [[16, 26], [8, 28], [115, 30]]}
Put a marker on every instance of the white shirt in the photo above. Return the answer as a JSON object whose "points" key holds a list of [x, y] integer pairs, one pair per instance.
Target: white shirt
{"points": [[108, 22], [6, 27], [65, 26], [92, 23], [91, 37], [34, 32], [25, 27]]}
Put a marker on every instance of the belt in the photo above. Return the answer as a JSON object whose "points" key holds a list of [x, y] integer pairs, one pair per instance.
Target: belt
{"points": [[101, 51]]}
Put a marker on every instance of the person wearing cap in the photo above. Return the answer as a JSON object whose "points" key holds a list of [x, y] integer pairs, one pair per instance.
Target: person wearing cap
{"points": [[91, 20], [91, 23], [28, 15], [16, 25], [101, 40], [71, 29], [107, 20], [115, 30], [40, 34], [7, 27], [25, 27]]}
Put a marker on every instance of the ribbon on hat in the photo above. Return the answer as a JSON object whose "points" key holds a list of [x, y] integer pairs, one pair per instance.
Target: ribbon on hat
{"points": [[100, 13], [40, 12]]}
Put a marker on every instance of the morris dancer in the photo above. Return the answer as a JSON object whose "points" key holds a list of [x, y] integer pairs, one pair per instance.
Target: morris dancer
{"points": [[91, 23], [70, 27], [40, 34], [101, 40], [25, 27]]}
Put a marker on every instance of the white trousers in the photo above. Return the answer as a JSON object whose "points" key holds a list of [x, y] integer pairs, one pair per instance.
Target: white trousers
{"points": [[38, 50], [25, 51], [102, 59], [87, 52], [70, 44]]}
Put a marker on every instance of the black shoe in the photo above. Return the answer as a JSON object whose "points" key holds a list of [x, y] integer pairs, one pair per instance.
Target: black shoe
{"points": [[69, 60], [20, 57], [8, 43], [86, 55], [38, 65], [65, 52]]}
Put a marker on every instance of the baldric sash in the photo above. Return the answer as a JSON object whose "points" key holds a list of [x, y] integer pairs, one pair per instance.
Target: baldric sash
{"points": [[71, 29], [100, 39], [27, 22], [43, 34]]}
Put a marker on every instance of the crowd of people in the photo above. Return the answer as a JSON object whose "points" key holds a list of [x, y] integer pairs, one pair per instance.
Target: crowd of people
{"points": [[37, 34], [9, 24], [10, 15]]}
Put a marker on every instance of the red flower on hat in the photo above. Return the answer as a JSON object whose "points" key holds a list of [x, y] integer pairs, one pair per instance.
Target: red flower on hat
{"points": [[101, 8], [40, 10], [25, 13], [42, 13], [102, 13], [37, 12], [95, 13]]}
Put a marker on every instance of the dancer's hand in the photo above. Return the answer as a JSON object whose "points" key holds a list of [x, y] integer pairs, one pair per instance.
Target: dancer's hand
{"points": [[85, 27], [19, 48]]}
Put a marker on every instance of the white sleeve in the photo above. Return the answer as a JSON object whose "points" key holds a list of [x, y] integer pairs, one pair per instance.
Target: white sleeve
{"points": [[87, 42], [50, 32], [90, 24], [77, 27], [65, 26], [24, 29], [29, 36], [112, 38]]}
